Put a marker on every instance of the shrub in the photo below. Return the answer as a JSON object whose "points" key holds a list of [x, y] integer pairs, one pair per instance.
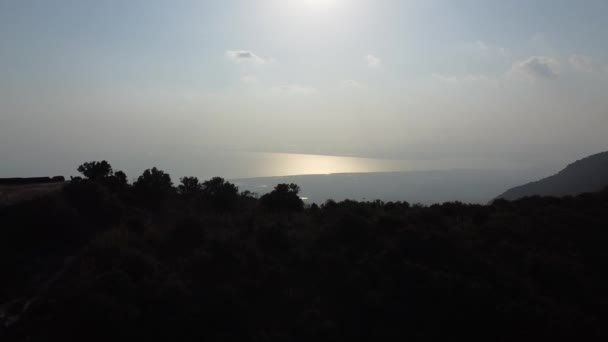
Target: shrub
{"points": [[96, 171], [284, 197], [190, 186], [222, 195], [153, 187]]}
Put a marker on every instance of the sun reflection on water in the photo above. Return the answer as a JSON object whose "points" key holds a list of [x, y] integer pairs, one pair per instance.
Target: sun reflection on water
{"points": [[305, 164]]}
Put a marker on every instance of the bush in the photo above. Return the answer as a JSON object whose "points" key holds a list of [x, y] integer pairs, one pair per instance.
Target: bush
{"points": [[96, 171], [189, 187], [153, 187], [222, 195], [283, 198], [94, 202], [102, 173]]}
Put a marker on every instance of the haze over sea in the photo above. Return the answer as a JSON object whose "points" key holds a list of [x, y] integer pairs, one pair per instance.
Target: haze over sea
{"points": [[422, 180]]}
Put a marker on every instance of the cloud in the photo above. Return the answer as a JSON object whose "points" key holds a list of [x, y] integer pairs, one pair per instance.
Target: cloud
{"points": [[249, 79], [294, 89], [444, 78], [488, 50], [452, 79], [581, 63], [373, 61], [351, 84], [537, 68], [246, 56]]}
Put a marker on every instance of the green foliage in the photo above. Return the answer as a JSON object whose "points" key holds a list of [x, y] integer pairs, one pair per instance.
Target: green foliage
{"points": [[154, 179], [95, 201], [221, 194], [153, 187], [91, 263], [102, 172], [190, 186], [121, 178], [283, 198], [96, 171]]}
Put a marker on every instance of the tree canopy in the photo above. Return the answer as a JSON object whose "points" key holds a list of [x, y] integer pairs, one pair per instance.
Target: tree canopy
{"points": [[284, 197], [96, 170]]}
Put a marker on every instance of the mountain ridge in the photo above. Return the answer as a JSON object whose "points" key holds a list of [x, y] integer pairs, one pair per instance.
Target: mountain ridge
{"points": [[589, 174]]}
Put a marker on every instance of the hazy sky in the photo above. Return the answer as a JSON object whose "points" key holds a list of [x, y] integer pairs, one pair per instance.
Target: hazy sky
{"points": [[395, 78]]}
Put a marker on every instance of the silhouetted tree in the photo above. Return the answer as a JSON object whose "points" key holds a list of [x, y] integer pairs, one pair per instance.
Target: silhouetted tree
{"points": [[87, 259], [190, 186], [220, 193], [153, 186], [284, 197], [248, 194], [117, 182], [96, 171], [329, 204], [121, 177], [102, 173]]}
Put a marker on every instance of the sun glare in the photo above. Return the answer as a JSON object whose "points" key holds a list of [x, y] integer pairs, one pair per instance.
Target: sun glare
{"points": [[317, 4]]}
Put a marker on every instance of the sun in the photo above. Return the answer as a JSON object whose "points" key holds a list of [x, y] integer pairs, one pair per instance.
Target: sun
{"points": [[318, 4], [315, 3]]}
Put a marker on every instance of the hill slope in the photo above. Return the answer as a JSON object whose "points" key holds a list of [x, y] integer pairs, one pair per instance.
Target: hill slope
{"points": [[12, 194], [586, 175], [106, 260]]}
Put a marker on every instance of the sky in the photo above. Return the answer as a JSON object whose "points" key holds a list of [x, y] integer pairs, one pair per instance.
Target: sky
{"points": [[403, 79]]}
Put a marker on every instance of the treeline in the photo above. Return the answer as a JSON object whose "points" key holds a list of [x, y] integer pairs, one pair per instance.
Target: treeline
{"points": [[108, 260]]}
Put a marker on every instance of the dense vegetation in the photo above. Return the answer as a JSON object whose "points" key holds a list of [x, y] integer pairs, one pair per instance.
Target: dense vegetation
{"points": [[106, 260]]}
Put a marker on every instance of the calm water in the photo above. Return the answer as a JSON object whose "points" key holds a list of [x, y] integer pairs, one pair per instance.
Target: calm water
{"points": [[472, 180], [471, 186], [204, 164], [324, 177], [237, 165]]}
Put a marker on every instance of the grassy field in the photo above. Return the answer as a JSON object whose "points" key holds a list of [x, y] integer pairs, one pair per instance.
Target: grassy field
{"points": [[11, 194]]}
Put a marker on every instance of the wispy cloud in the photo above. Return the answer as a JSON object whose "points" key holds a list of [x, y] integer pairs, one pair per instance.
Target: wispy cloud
{"points": [[246, 56], [352, 84], [491, 50], [294, 89], [581, 62], [453, 79], [249, 79], [537, 68], [444, 78], [373, 61]]}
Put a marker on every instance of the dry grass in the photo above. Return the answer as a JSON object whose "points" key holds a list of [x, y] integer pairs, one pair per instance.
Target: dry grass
{"points": [[11, 194]]}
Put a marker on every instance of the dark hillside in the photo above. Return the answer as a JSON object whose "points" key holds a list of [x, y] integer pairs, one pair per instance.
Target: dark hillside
{"points": [[106, 260], [586, 175], [31, 180]]}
